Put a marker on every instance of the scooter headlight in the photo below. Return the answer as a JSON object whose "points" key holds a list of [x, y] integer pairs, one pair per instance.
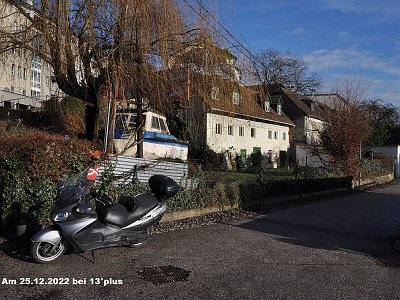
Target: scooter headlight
{"points": [[62, 216]]}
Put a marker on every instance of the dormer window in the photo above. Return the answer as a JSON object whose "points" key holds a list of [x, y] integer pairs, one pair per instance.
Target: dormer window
{"points": [[267, 105], [215, 93], [257, 97], [279, 108], [236, 96]]}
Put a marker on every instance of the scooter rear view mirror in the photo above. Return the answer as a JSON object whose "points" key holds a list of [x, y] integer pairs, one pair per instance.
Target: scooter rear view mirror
{"points": [[60, 186]]}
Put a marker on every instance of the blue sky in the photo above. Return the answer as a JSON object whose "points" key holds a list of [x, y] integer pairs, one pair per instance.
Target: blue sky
{"points": [[339, 39]]}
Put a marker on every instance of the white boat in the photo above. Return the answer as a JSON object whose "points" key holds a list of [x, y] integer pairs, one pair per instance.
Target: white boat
{"points": [[157, 140]]}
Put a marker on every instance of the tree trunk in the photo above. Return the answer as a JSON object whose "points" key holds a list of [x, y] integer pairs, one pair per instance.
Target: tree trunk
{"points": [[92, 117], [91, 122]]}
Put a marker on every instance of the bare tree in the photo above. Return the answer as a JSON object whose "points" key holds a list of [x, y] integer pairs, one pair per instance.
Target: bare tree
{"points": [[346, 127], [273, 66], [98, 49]]}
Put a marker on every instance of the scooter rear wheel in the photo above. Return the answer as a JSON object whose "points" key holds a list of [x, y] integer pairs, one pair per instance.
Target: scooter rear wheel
{"points": [[44, 253]]}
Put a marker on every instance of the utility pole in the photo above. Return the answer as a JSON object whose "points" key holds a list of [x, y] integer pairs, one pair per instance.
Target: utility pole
{"points": [[359, 168]]}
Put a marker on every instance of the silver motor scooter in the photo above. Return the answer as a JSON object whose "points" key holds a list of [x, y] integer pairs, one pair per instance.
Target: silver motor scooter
{"points": [[78, 226]]}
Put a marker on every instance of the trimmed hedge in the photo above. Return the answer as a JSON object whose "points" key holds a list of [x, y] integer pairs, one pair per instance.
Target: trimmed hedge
{"points": [[257, 191], [31, 163]]}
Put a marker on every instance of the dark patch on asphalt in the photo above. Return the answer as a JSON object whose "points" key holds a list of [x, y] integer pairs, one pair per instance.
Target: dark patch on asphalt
{"points": [[46, 295], [163, 274]]}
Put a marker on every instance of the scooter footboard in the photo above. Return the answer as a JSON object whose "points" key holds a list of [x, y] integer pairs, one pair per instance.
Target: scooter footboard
{"points": [[49, 235]]}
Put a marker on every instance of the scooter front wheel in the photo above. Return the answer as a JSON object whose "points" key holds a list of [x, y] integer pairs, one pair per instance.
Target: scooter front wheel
{"points": [[43, 252]]}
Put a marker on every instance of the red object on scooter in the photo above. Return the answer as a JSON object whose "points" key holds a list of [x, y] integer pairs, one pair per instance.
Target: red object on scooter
{"points": [[92, 173]]}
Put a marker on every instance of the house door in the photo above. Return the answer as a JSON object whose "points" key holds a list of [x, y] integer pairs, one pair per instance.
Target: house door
{"points": [[243, 156], [282, 158]]}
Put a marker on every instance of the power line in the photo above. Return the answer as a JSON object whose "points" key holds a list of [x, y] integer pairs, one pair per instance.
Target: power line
{"points": [[226, 30], [251, 57]]}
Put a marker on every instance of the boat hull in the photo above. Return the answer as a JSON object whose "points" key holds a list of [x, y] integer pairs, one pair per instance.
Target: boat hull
{"points": [[154, 149]]}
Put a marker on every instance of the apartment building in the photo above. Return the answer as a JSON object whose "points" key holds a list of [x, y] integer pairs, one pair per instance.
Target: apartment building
{"points": [[25, 79]]}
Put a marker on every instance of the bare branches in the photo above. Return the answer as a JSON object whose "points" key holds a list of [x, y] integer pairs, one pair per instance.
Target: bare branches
{"points": [[346, 128], [273, 66]]}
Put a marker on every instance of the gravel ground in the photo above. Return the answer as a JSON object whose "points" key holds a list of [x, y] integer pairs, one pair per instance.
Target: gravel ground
{"points": [[205, 220]]}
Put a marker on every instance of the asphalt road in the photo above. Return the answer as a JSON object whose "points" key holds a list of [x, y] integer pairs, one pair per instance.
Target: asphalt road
{"points": [[341, 248]]}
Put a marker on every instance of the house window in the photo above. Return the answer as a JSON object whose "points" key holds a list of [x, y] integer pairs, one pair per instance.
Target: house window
{"points": [[19, 71], [218, 128], [241, 131], [284, 136], [24, 73], [35, 94], [230, 130], [275, 135], [215, 93], [12, 89], [36, 73], [257, 97], [24, 92], [253, 132], [236, 98], [256, 149], [13, 69], [269, 134]]}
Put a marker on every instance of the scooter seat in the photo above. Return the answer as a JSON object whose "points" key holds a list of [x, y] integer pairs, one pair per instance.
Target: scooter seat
{"points": [[140, 204], [129, 210]]}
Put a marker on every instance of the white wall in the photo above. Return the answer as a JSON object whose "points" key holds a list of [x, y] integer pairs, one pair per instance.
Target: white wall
{"points": [[221, 142], [312, 128], [392, 151]]}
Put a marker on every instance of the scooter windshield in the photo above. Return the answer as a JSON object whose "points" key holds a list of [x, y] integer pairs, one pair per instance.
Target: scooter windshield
{"points": [[74, 189]]}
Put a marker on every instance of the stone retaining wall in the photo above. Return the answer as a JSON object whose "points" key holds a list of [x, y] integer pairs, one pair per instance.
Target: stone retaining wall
{"points": [[372, 181]]}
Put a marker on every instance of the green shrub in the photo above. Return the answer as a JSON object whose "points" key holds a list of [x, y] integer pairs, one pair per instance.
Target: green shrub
{"points": [[109, 185], [307, 172], [379, 166], [31, 163], [218, 195], [65, 116], [257, 191], [233, 194], [191, 196], [203, 195]]}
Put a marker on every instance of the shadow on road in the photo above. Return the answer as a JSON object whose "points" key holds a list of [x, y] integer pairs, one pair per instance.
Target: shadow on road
{"points": [[367, 223], [17, 248]]}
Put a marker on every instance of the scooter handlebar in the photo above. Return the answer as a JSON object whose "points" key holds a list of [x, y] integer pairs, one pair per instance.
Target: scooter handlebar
{"points": [[104, 200]]}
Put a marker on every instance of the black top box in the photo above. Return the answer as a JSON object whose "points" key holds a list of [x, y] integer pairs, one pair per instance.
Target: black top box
{"points": [[163, 187]]}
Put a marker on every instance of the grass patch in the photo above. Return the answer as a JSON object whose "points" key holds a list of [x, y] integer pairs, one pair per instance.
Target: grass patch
{"points": [[235, 176]]}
